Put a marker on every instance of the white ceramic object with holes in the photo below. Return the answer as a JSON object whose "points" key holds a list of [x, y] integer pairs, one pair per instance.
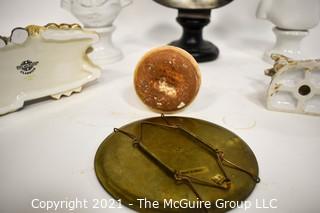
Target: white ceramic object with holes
{"points": [[99, 15], [295, 86], [50, 62], [292, 19]]}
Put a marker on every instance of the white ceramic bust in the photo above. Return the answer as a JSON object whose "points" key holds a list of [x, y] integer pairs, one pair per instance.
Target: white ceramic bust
{"points": [[292, 20], [99, 15]]}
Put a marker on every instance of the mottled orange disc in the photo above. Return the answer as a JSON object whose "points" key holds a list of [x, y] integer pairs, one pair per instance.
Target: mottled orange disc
{"points": [[167, 79]]}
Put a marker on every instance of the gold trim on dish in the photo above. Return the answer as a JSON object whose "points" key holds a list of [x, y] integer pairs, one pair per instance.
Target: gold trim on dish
{"points": [[34, 30]]}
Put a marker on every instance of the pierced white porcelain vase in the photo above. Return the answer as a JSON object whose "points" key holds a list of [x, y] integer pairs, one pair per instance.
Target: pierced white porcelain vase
{"points": [[292, 19], [99, 15]]}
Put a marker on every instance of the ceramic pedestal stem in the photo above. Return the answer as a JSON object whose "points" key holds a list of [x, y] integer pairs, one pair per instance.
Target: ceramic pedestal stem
{"points": [[288, 43], [104, 51]]}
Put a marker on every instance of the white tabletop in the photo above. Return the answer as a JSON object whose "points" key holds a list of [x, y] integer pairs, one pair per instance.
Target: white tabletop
{"points": [[47, 149]]}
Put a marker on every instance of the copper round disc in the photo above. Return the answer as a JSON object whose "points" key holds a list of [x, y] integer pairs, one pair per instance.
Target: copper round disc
{"points": [[167, 79], [128, 174]]}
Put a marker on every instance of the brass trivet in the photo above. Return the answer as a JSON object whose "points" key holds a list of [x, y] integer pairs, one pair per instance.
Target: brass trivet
{"points": [[175, 158]]}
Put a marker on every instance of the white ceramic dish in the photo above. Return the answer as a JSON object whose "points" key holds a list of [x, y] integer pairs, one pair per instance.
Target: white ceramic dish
{"points": [[44, 61], [295, 86]]}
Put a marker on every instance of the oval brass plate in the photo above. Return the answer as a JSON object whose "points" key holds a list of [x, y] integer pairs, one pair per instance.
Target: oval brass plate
{"points": [[128, 174]]}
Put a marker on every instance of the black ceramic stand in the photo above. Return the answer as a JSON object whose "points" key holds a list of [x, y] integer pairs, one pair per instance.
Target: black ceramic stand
{"points": [[193, 22]]}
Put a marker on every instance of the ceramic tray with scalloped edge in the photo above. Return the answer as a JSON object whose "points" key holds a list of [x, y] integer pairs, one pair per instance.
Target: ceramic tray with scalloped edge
{"points": [[39, 61]]}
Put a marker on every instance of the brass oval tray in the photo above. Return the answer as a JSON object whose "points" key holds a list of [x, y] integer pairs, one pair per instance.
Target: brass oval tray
{"points": [[175, 158]]}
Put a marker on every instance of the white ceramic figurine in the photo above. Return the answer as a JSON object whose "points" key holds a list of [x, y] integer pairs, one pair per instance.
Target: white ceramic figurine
{"points": [[295, 85], [292, 20], [98, 15]]}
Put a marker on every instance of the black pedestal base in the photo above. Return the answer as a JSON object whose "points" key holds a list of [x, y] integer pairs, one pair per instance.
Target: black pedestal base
{"points": [[193, 22], [203, 52]]}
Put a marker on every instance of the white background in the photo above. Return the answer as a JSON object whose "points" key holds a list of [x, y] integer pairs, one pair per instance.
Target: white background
{"points": [[47, 149]]}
